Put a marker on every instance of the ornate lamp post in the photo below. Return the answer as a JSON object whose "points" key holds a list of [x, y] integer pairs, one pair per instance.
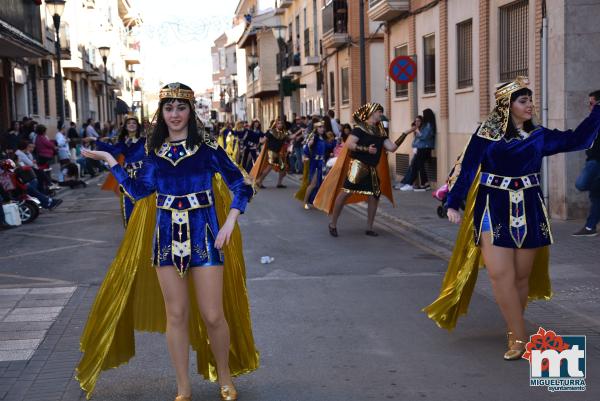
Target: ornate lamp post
{"points": [[104, 52], [56, 8]]}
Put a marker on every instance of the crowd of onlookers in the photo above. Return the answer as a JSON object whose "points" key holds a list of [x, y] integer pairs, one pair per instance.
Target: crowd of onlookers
{"points": [[28, 155]]}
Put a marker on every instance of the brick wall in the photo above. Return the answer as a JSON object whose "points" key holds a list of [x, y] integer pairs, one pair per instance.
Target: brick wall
{"points": [[484, 65], [443, 59], [537, 85]]}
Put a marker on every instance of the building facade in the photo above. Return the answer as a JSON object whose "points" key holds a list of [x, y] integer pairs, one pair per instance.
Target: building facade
{"points": [[29, 72], [465, 49]]}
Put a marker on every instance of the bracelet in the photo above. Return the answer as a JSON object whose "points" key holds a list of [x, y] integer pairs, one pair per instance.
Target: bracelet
{"points": [[399, 141]]}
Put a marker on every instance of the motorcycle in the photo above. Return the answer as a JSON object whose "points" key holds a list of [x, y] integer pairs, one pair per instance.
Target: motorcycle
{"points": [[29, 206]]}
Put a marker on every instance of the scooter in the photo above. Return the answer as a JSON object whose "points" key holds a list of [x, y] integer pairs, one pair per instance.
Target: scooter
{"points": [[29, 208]]}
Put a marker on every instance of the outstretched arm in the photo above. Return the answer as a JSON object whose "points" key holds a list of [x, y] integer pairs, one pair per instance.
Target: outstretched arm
{"points": [[556, 141], [137, 188]]}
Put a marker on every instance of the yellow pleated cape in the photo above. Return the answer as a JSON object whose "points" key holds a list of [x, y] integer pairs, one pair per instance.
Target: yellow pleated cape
{"points": [[130, 299], [304, 183], [334, 180], [464, 265]]}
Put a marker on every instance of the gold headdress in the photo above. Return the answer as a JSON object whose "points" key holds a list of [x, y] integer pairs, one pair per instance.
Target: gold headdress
{"points": [[494, 127], [175, 91], [364, 112]]}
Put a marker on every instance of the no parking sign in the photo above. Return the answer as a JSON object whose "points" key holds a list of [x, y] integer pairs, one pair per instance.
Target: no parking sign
{"points": [[403, 69]]}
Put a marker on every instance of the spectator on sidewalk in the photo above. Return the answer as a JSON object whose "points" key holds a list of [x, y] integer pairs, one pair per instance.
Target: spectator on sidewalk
{"points": [[25, 158], [10, 140], [335, 126], [45, 148], [589, 180], [90, 132], [424, 143], [73, 135], [64, 153]]}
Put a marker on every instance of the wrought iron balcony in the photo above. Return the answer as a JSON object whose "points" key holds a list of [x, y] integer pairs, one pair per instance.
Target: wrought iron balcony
{"points": [[24, 16]]}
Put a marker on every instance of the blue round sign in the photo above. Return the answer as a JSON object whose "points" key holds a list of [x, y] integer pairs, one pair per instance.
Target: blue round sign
{"points": [[403, 69]]}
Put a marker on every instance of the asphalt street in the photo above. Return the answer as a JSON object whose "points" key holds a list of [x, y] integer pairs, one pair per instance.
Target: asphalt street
{"points": [[334, 318]]}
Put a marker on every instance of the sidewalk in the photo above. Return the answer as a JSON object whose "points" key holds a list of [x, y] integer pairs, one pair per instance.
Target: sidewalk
{"points": [[574, 262]]}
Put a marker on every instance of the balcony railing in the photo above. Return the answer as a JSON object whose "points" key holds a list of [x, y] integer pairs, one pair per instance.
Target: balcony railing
{"points": [[23, 15], [335, 17]]}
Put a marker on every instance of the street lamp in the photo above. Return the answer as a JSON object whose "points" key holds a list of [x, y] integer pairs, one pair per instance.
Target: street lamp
{"points": [[131, 73], [56, 8], [279, 33], [104, 52]]}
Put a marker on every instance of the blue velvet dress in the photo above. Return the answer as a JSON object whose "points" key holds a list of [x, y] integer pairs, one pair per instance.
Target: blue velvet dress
{"points": [[509, 187], [186, 222], [316, 155], [134, 152]]}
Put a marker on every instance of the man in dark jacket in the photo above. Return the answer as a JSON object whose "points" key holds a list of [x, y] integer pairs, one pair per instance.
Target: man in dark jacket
{"points": [[589, 180]]}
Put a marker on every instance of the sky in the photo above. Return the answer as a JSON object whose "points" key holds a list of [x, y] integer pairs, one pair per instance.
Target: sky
{"points": [[176, 37]]}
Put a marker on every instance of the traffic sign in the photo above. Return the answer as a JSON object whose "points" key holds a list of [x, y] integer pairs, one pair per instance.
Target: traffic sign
{"points": [[403, 69]]}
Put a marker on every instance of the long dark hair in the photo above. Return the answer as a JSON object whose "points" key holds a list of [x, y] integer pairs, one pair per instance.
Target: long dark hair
{"points": [[429, 118], [161, 131], [528, 126], [124, 133]]}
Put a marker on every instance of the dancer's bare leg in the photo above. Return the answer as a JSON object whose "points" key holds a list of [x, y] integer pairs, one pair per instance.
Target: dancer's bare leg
{"points": [[208, 283], [177, 306]]}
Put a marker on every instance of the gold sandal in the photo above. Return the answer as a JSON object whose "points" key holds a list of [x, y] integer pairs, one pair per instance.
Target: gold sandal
{"points": [[515, 354], [183, 398], [228, 393]]}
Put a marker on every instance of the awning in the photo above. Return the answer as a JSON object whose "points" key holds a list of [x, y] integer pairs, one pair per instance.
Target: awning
{"points": [[121, 107]]}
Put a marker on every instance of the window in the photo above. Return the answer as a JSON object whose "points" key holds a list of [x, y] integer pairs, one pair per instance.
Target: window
{"points": [[464, 40], [331, 89], [33, 89], [345, 86], [222, 59], [401, 89], [429, 64], [513, 40], [319, 80], [46, 98]]}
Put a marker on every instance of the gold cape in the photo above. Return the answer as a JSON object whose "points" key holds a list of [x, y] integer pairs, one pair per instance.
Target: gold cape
{"points": [[464, 265], [334, 180], [130, 299], [260, 164], [304, 183]]}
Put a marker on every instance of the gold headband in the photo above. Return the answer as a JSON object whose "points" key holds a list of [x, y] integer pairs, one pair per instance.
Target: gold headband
{"points": [[175, 91], [364, 112], [494, 127], [519, 83]]}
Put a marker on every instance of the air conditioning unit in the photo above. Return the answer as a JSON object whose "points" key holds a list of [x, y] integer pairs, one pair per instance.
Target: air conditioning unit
{"points": [[47, 69]]}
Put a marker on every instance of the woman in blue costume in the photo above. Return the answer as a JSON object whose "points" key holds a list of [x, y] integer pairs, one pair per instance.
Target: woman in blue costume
{"points": [[250, 144], [505, 219], [193, 239], [315, 149], [132, 146]]}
